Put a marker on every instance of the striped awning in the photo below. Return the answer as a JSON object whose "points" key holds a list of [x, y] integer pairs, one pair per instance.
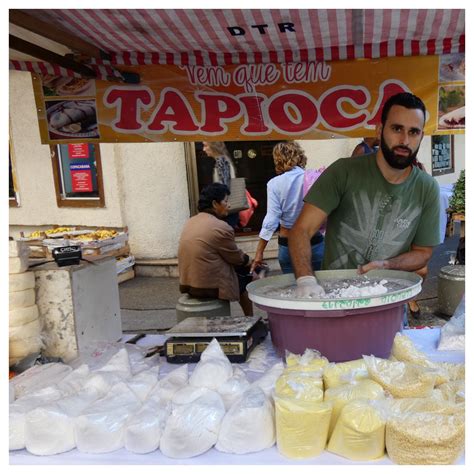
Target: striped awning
{"points": [[225, 37]]}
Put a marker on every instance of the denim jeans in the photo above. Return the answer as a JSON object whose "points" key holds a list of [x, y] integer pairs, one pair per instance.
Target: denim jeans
{"points": [[284, 259]]}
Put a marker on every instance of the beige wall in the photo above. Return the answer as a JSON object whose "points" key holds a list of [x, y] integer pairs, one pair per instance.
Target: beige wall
{"points": [[154, 196]]}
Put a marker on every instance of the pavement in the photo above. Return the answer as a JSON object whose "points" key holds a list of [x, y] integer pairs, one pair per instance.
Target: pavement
{"points": [[148, 303]]}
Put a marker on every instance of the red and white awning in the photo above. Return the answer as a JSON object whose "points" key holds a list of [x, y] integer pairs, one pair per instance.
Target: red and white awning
{"points": [[225, 37]]}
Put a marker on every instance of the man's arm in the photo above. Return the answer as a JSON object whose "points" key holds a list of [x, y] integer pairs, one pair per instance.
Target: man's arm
{"points": [[417, 258], [308, 222]]}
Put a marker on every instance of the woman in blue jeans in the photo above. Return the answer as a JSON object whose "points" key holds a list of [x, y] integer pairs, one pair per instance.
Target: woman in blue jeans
{"points": [[284, 204]]}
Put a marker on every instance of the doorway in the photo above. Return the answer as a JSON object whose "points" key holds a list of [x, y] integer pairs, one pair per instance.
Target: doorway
{"points": [[253, 160]]}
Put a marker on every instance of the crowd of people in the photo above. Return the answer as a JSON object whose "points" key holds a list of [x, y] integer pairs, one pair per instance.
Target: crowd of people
{"points": [[380, 210]]}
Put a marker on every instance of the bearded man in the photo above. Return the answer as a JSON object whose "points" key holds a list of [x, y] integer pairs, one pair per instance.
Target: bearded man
{"points": [[382, 210]]}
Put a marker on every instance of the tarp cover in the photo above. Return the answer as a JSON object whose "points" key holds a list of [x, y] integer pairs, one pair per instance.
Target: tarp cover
{"points": [[226, 37]]}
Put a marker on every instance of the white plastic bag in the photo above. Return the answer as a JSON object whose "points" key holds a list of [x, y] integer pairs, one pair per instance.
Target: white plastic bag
{"points": [[213, 369], [143, 383], [192, 428], [249, 426], [39, 376], [143, 431], [268, 380], [171, 383], [49, 429], [100, 428], [452, 337], [233, 389], [188, 394], [20, 407]]}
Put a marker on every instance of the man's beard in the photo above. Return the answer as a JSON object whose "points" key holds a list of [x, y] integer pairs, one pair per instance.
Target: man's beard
{"points": [[399, 162]]}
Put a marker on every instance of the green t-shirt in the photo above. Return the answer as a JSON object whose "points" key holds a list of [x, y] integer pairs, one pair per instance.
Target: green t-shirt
{"points": [[370, 218]]}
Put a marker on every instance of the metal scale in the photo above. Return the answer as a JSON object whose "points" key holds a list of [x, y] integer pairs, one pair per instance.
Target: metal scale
{"points": [[237, 336]]}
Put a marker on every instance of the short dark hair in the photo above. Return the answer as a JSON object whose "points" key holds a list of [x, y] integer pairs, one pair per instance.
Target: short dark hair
{"points": [[212, 192], [405, 99]]}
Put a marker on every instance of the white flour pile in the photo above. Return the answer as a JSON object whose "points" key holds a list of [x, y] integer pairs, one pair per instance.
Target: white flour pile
{"points": [[338, 289], [353, 291]]}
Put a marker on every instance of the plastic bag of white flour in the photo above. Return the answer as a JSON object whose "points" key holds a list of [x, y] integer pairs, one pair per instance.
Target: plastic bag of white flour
{"points": [[267, 381], [188, 394], [171, 383], [213, 368], [192, 428], [143, 383], [100, 428], [119, 363], [238, 433], [452, 337], [39, 376], [20, 407], [233, 388], [143, 431], [75, 380], [49, 429]]}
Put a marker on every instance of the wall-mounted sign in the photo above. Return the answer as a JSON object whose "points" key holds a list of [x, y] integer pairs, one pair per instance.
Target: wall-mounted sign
{"points": [[442, 155], [78, 150], [81, 178], [311, 100]]}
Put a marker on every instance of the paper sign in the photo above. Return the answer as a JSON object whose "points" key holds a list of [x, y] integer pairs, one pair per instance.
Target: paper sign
{"points": [[81, 178], [78, 150]]}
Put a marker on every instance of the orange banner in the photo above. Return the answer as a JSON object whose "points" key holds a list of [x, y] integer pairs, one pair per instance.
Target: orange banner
{"points": [[315, 100]]}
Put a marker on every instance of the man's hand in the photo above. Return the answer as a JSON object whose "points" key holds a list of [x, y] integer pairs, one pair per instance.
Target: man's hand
{"points": [[257, 261], [375, 265], [308, 287]]}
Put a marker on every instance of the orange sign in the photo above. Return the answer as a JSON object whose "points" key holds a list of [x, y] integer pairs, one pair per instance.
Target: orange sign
{"points": [[314, 100]]}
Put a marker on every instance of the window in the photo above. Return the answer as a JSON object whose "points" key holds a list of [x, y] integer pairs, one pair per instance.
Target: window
{"points": [[13, 197], [78, 175], [442, 154]]}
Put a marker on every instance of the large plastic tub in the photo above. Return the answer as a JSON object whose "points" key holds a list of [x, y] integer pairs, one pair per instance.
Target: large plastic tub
{"points": [[341, 330]]}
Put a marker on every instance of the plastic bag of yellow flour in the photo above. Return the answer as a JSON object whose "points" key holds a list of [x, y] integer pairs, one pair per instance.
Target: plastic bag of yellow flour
{"points": [[340, 396], [300, 386], [359, 433], [344, 372], [301, 427], [310, 361]]}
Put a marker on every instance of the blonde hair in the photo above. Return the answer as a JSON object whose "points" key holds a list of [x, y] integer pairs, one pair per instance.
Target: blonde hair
{"points": [[287, 155], [218, 148]]}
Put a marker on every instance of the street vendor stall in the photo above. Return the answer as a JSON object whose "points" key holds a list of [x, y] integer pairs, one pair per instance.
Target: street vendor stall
{"points": [[131, 76]]}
